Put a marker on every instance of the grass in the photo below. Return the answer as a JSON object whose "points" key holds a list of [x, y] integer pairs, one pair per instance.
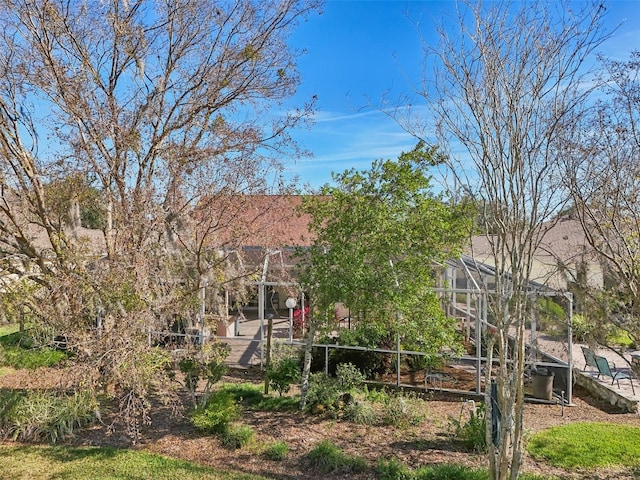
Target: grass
{"points": [[277, 451], [587, 445], [40, 463], [17, 350], [251, 396], [392, 469], [329, 458], [9, 329]]}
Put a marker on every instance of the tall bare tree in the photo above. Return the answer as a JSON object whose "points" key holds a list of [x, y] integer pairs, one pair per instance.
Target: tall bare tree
{"points": [[506, 82], [158, 104], [603, 175]]}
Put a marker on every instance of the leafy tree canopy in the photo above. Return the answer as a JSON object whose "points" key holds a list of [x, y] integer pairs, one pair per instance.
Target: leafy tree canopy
{"points": [[381, 235]]}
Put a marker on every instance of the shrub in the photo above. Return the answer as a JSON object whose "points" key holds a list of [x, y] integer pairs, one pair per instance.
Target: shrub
{"points": [[370, 363], [361, 412], [349, 377], [473, 431], [276, 451], [329, 458], [580, 328], [42, 416], [236, 436], [403, 410], [217, 414], [207, 365], [323, 392], [418, 363], [550, 314], [282, 373]]}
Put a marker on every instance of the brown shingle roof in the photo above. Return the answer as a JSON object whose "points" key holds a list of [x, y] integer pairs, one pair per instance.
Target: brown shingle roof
{"points": [[269, 221]]}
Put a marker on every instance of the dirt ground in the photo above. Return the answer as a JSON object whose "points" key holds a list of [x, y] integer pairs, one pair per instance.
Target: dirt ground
{"points": [[428, 443]]}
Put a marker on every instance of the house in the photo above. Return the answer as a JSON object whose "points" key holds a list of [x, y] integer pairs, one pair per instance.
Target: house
{"points": [[563, 258]]}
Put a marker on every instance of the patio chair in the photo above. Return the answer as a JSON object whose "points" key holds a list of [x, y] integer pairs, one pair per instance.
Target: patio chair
{"points": [[616, 375], [589, 358]]}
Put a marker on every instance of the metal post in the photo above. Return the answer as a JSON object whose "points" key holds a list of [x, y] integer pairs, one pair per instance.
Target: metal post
{"points": [[570, 350], [291, 324], [479, 314], [261, 316], [326, 360], [398, 349]]}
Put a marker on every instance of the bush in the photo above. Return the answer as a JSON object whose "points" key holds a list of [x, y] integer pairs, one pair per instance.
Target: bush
{"points": [[329, 458], [42, 416], [207, 365], [372, 364], [403, 411], [282, 373], [349, 377], [217, 414], [580, 328], [276, 451], [361, 412], [236, 436], [473, 431], [323, 392], [418, 363], [550, 314]]}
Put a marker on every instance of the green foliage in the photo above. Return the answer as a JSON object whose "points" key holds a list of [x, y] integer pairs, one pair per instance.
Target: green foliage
{"points": [[207, 364], [580, 329], [14, 301], [21, 351], [349, 377], [368, 335], [550, 314], [92, 463], [360, 405], [361, 412], [282, 373], [43, 416], [277, 451], [450, 472], [329, 458], [378, 233], [418, 363], [323, 393], [587, 445], [251, 396], [471, 431], [217, 414], [236, 436], [403, 411], [393, 469], [619, 337]]}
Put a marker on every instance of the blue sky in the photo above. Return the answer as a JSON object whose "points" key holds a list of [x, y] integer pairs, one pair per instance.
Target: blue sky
{"points": [[357, 51]]}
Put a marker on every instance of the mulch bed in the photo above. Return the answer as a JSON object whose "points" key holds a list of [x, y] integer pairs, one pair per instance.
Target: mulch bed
{"points": [[428, 443]]}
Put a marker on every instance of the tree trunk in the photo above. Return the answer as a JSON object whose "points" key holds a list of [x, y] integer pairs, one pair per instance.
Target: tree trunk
{"points": [[306, 369]]}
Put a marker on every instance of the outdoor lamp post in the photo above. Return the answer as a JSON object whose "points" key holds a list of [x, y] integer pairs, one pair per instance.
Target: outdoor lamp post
{"points": [[291, 304]]}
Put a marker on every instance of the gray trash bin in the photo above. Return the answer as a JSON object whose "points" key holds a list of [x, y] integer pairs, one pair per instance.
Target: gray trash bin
{"points": [[543, 384]]}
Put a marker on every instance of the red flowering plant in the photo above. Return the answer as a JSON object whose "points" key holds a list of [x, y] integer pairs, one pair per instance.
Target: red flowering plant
{"points": [[300, 319]]}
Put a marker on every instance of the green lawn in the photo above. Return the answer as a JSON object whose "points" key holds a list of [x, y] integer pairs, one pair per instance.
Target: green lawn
{"points": [[18, 350], [588, 445], [9, 329], [40, 463]]}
